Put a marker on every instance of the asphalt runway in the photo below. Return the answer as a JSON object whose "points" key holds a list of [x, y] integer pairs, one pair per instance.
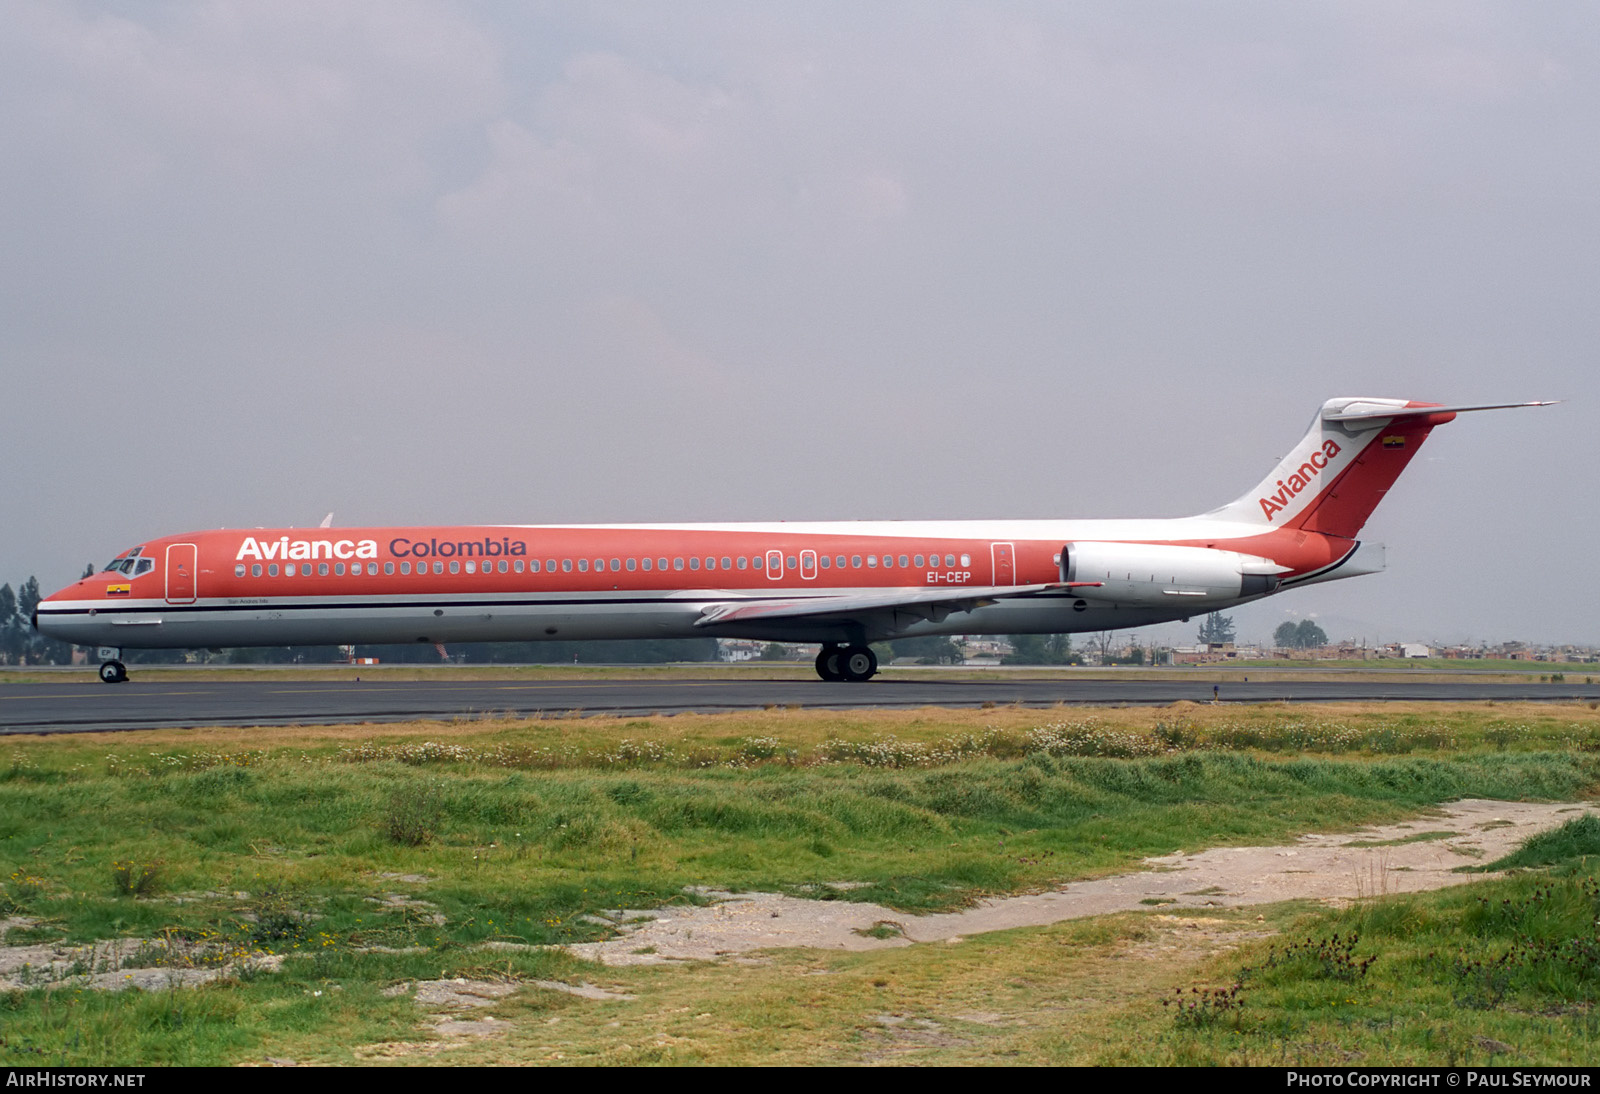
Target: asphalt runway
{"points": [[73, 706]]}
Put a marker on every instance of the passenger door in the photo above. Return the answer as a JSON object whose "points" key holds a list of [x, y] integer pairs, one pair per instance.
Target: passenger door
{"points": [[1005, 570], [182, 565]]}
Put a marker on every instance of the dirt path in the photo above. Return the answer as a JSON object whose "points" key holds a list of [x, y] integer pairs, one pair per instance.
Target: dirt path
{"points": [[1399, 858]]}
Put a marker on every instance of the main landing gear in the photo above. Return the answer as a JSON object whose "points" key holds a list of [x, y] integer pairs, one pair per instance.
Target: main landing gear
{"points": [[853, 663], [113, 672]]}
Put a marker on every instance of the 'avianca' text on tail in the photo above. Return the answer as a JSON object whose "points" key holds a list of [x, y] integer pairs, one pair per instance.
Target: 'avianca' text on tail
{"points": [[841, 584]]}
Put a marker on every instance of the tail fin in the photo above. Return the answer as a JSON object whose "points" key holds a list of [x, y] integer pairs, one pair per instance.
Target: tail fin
{"points": [[1344, 465]]}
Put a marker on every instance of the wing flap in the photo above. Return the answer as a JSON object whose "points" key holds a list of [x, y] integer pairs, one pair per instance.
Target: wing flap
{"points": [[932, 604]]}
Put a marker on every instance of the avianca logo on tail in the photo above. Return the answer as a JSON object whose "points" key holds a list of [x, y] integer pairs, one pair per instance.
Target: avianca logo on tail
{"points": [[1288, 488], [284, 547]]}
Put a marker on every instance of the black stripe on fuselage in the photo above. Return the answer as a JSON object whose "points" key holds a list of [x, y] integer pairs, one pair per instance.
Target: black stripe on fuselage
{"points": [[1346, 557]]}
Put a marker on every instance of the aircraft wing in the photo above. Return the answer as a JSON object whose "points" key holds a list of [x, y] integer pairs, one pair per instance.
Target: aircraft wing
{"points": [[930, 604]]}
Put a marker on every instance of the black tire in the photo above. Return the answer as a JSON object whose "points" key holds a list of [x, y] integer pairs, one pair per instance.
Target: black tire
{"points": [[828, 664], [113, 672], [858, 663]]}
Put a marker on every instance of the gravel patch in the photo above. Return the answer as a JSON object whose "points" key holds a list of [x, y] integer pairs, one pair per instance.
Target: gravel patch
{"points": [[1332, 868]]}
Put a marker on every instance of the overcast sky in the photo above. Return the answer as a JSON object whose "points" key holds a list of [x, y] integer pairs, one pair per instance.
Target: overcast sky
{"points": [[478, 263]]}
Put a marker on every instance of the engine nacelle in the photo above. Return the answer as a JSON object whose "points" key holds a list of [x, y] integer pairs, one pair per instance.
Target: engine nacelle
{"points": [[1150, 574]]}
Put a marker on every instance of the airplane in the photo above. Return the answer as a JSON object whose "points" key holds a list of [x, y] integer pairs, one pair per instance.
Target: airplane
{"points": [[842, 584]]}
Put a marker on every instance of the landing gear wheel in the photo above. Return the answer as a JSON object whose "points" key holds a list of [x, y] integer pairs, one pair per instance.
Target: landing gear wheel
{"points": [[858, 663], [113, 672], [828, 664]]}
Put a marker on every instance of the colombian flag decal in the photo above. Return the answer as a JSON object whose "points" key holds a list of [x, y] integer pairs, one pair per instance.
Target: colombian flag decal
{"points": [[118, 590], [1394, 442]]}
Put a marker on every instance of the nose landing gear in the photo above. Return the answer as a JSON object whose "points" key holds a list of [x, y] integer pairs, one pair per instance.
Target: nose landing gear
{"points": [[113, 672]]}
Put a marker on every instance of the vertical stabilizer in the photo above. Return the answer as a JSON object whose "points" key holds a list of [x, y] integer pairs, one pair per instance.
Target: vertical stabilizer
{"points": [[1341, 469]]}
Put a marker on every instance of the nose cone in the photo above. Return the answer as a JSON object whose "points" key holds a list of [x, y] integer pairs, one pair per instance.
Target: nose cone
{"points": [[75, 591], [56, 598], [67, 613]]}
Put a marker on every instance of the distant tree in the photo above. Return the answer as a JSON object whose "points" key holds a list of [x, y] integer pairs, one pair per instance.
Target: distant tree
{"points": [[11, 635], [1134, 656], [1059, 648], [1311, 635], [1101, 640], [28, 597], [1041, 649], [19, 642], [1299, 636], [152, 657], [1026, 649], [931, 650], [773, 651], [1216, 629]]}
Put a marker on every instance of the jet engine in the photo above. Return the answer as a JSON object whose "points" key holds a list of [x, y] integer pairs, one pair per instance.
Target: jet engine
{"points": [[1150, 574]]}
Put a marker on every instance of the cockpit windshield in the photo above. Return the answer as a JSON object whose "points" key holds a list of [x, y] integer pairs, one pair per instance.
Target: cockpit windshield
{"points": [[130, 564]]}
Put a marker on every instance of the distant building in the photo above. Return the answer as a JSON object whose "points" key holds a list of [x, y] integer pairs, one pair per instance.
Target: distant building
{"points": [[1212, 653], [739, 649]]}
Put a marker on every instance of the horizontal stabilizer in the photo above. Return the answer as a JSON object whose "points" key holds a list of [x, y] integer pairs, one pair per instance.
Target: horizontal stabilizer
{"points": [[1361, 410]]}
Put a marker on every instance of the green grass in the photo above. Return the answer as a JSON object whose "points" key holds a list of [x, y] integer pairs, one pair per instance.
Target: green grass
{"points": [[1416, 837], [1577, 840], [301, 842], [1574, 670], [571, 841], [1503, 972], [317, 1008]]}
